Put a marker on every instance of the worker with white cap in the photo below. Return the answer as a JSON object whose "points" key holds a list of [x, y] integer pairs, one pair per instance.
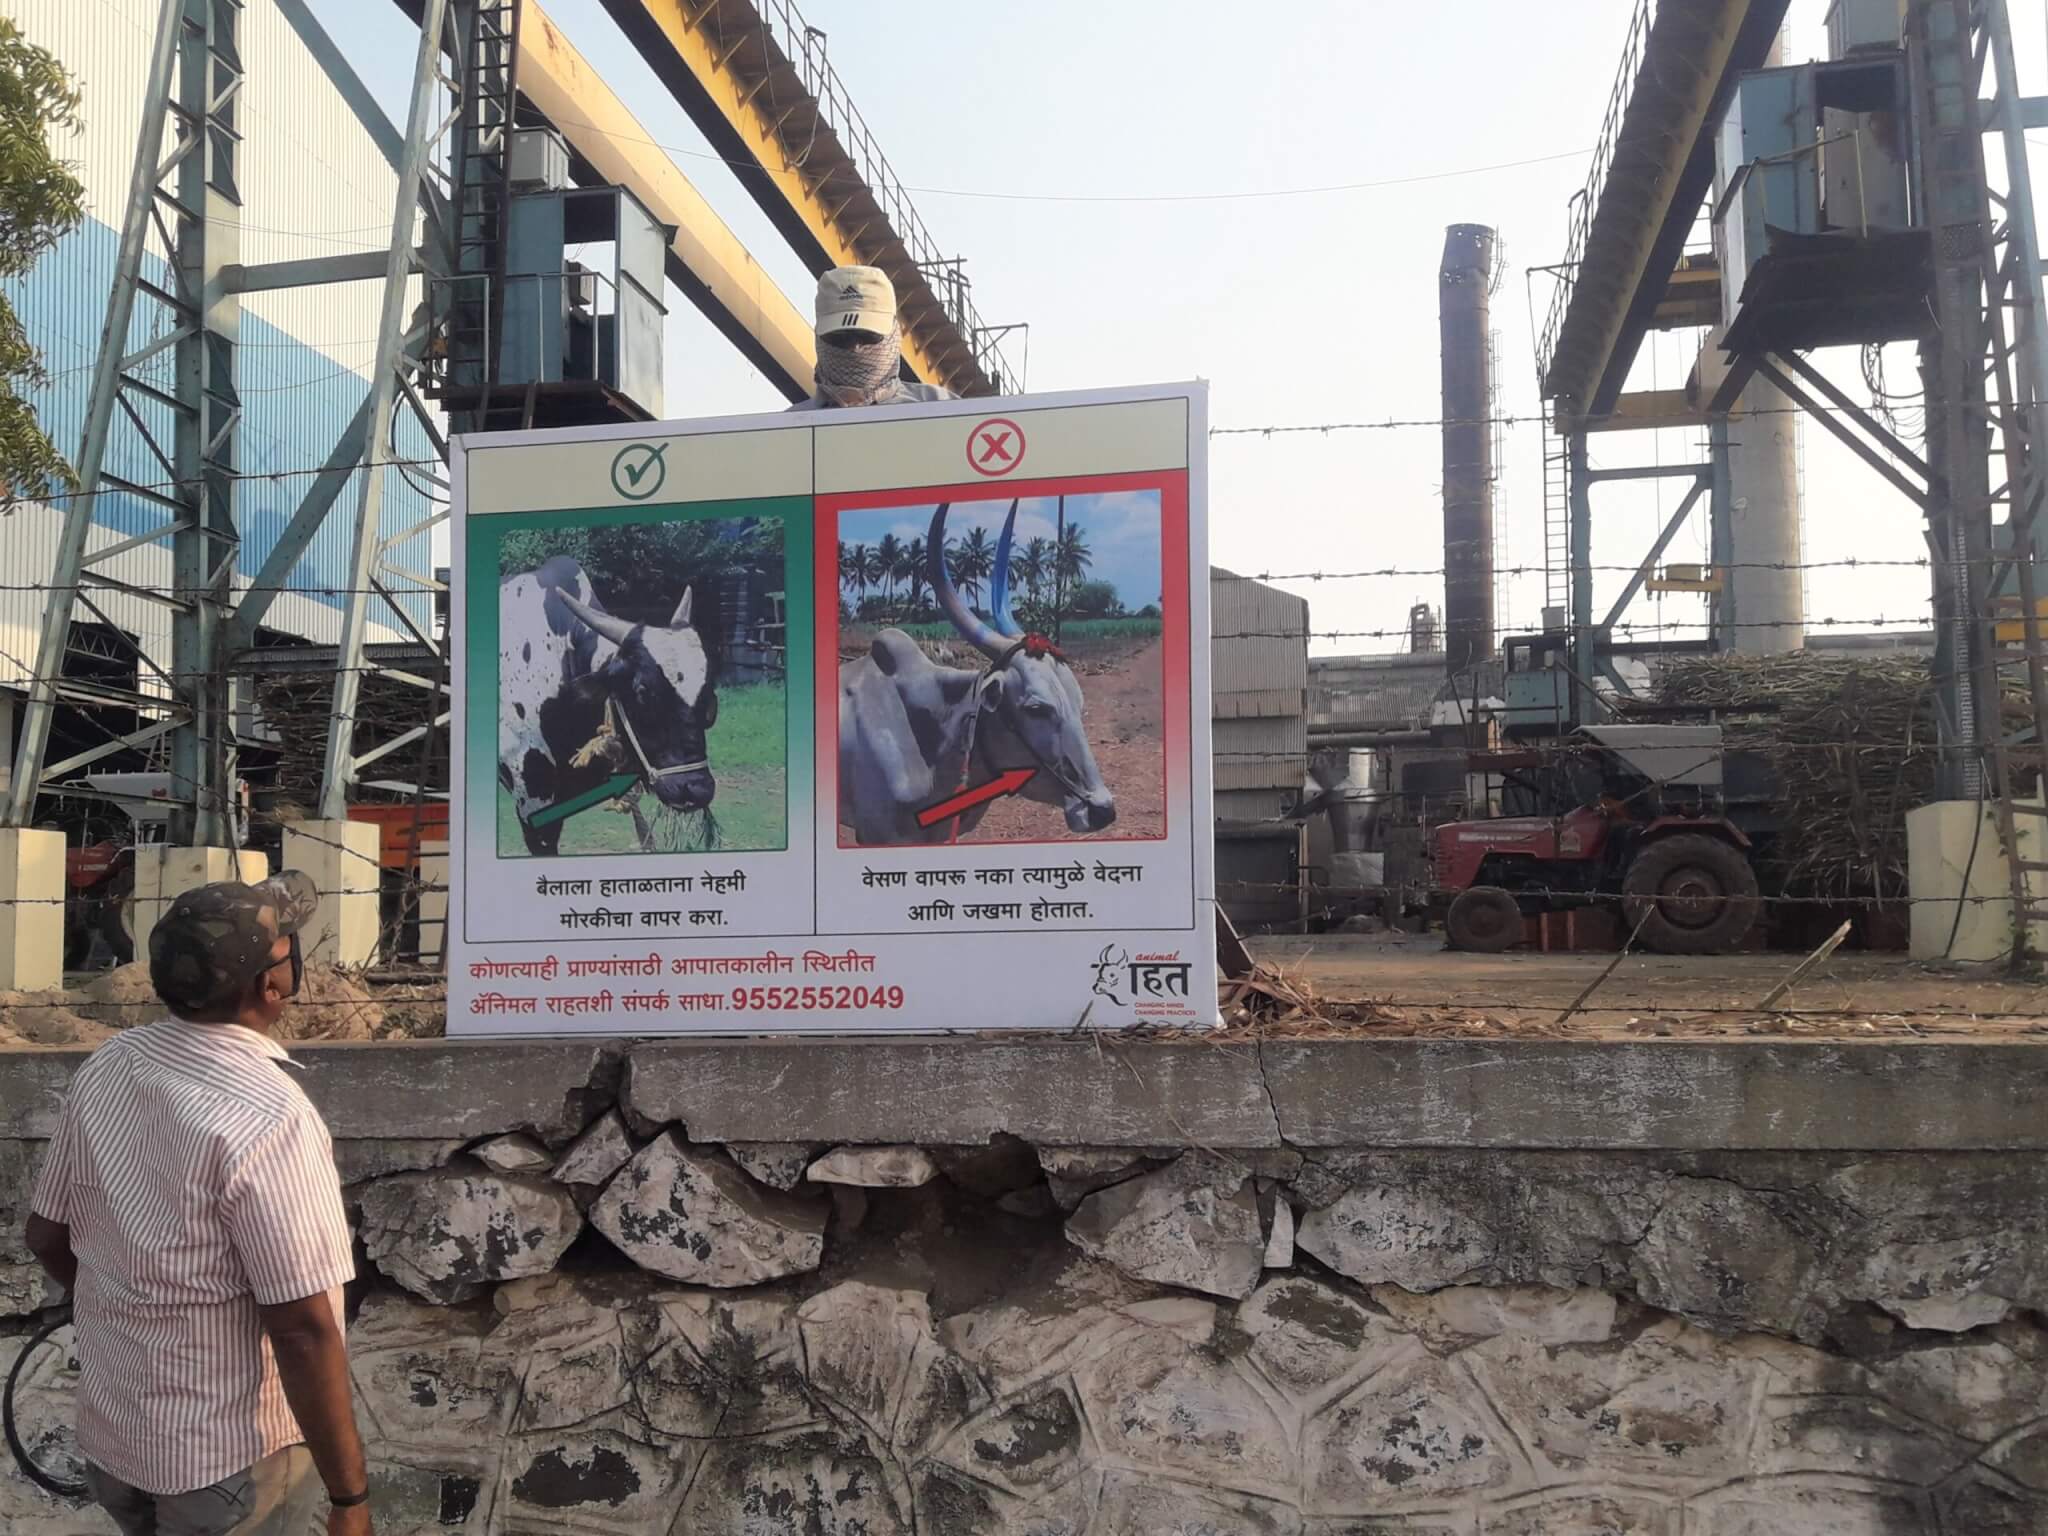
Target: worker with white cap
{"points": [[860, 345]]}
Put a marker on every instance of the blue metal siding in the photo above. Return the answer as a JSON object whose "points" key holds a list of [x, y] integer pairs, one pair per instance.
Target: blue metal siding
{"points": [[296, 399]]}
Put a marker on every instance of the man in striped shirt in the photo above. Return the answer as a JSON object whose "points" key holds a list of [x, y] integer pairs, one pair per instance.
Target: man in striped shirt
{"points": [[189, 1202]]}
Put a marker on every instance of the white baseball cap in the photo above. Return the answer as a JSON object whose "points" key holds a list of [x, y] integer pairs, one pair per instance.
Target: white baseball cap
{"points": [[856, 299]]}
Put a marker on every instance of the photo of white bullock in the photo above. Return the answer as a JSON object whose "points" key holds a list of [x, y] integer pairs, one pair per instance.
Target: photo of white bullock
{"points": [[916, 728]]}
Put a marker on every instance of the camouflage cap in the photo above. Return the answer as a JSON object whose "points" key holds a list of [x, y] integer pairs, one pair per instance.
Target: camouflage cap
{"points": [[213, 939]]}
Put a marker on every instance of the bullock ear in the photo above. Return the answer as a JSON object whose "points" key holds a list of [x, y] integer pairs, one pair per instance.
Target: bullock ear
{"points": [[682, 613]]}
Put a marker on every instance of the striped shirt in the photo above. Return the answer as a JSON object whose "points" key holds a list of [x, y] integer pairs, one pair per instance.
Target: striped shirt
{"points": [[198, 1182]]}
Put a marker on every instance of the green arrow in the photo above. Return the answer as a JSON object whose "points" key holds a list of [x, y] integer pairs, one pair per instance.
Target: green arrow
{"points": [[562, 810]]}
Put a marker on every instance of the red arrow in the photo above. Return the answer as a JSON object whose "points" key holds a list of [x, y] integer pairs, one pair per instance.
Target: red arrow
{"points": [[1006, 783]]}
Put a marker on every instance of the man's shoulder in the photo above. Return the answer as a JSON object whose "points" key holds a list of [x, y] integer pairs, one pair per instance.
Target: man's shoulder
{"points": [[229, 1081]]}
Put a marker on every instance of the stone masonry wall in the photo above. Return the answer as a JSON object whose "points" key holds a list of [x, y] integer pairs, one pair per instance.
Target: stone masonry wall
{"points": [[595, 1322]]}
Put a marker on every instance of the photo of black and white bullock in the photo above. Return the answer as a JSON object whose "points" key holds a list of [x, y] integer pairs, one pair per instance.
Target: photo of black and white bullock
{"points": [[585, 696], [912, 732]]}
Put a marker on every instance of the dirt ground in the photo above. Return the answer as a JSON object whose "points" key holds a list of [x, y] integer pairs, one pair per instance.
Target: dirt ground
{"points": [[1399, 984], [332, 1005]]}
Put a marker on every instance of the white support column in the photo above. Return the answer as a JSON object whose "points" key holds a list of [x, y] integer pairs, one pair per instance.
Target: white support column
{"points": [[342, 859], [433, 909], [163, 872], [31, 909], [1960, 882]]}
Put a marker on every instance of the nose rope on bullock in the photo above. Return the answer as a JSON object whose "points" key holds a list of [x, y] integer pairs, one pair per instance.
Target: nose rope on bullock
{"points": [[646, 764]]}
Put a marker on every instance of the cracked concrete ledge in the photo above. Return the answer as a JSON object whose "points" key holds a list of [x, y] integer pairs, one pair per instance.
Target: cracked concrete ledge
{"points": [[1647, 1095]]}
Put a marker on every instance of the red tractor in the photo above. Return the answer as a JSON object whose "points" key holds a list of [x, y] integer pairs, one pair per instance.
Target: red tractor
{"points": [[99, 890], [1660, 820]]}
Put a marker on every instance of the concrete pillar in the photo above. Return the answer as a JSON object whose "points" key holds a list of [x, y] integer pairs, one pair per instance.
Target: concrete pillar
{"points": [[433, 903], [342, 859], [1765, 591], [1954, 859], [6, 742], [31, 909], [162, 872]]}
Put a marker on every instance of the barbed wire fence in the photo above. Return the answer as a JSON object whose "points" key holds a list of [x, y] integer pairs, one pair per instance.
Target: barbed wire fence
{"points": [[414, 886]]}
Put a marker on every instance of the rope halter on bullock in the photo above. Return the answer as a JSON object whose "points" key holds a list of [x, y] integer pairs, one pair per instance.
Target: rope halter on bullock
{"points": [[619, 631]]}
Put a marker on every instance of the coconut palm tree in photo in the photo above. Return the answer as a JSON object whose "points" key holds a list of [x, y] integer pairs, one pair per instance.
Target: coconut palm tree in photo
{"points": [[1034, 565], [914, 572], [888, 560], [853, 569], [973, 562]]}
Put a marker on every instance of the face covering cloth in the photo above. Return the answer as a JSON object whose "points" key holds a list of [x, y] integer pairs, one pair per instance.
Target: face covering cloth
{"points": [[854, 375]]}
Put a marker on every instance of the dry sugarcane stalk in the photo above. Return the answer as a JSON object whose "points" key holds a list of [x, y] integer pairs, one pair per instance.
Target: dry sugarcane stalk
{"points": [[1852, 741]]}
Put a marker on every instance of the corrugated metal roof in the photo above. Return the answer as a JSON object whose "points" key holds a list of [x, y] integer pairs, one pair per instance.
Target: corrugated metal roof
{"points": [[1373, 693], [1258, 652]]}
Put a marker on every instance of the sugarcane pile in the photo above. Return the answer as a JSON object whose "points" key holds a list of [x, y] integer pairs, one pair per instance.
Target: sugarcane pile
{"points": [[296, 705], [1852, 742]]}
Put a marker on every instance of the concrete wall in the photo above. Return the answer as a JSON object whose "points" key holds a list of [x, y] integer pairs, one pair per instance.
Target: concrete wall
{"points": [[1315, 1288]]}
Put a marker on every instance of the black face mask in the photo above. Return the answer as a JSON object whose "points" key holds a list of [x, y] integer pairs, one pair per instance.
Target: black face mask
{"points": [[298, 967]]}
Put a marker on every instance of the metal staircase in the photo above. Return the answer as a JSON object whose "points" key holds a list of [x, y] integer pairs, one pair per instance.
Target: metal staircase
{"points": [[1557, 519], [482, 174], [1988, 302]]}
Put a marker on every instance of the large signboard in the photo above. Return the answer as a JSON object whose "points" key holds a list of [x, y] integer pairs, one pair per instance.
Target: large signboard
{"points": [[873, 720]]}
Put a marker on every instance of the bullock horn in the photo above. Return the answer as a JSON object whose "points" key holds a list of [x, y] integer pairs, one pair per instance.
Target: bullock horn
{"points": [[999, 586], [610, 625], [682, 613], [988, 641]]}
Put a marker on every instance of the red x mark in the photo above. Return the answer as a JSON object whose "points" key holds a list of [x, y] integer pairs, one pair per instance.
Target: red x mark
{"points": [[990, 449]]}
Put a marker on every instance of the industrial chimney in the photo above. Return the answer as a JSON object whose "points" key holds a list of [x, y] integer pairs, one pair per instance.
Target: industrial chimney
{"points": [[1464, 287]]}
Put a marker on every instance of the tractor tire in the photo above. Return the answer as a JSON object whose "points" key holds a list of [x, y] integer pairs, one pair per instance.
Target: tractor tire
{"points": [[77, 941], [1690, 895], [117, 927], [1485, 920]]}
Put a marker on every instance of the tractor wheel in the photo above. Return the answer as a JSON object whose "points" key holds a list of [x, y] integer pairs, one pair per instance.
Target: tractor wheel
{"points": [[1690, 896], [117, 926], [77, 940], [1485, 920]]}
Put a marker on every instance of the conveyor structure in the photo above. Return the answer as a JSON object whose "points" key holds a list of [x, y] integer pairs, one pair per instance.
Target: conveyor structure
{"points": [[756, 80]]}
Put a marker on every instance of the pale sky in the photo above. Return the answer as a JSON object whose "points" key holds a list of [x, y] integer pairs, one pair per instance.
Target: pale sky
{"points": [[1086, 132]]}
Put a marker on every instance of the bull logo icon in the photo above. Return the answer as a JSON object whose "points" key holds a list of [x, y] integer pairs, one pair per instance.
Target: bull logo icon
{"points": [[1110, 966]]}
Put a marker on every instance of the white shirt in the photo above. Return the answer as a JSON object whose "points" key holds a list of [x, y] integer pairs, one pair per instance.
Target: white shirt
{"points": [[198, 1182]]}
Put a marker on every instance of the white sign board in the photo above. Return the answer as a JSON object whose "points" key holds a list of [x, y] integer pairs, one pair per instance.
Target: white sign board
{"points": [[871, 720]]}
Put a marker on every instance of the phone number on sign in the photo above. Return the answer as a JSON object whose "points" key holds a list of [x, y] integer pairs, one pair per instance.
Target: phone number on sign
{"points": [[777, 999]]}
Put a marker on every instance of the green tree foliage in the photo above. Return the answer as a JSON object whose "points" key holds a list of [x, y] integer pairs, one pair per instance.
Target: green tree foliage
{"points": [[40, 201], [971, 562], [888, 561], [1074, 555], [1094, 600], [639, 570], [853, 568], [914, 571]]}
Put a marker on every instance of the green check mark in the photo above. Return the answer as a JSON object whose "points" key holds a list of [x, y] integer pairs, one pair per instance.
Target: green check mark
{"points": [[638, 470]]}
